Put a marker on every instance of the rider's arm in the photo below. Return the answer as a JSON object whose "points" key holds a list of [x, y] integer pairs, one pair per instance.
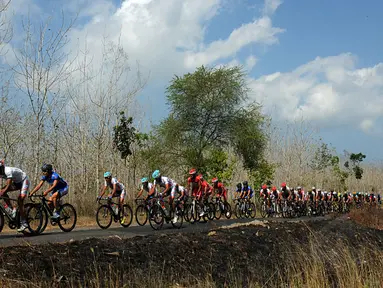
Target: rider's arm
{"points": [[167, 189], [140, 193], [7, 184], [51, 188], [37, 188], [103, 191], [113, 192]]}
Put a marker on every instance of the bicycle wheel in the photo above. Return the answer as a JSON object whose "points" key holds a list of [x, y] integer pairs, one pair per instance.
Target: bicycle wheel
{"points": [[264, 210], [195, 209], [178, 216], [68, 217], [187, 212], [141, 215], [210, 211], [253, 211], [217, 210], [34, 218], [104, 213], [237, 211], [227, 210], [126, 216], [156, 217]]}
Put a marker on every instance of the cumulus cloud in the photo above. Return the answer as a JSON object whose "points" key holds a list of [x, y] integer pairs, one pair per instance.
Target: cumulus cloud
{"points": [[271, 6], [167, 37], [330, 91]]}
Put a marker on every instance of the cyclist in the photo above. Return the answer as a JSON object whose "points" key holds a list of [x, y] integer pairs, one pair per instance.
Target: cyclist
{"points": [[117, 190], [147, 187], [168, 184], [238, 190], [206, 190], [285, 191], [247, 191], [183, 195], [219, 189], [194, 184], [57, 189], [265, 194], [16, 180]]}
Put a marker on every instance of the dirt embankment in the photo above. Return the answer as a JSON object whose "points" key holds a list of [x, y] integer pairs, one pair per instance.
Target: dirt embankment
{"points": [[235, 257]]}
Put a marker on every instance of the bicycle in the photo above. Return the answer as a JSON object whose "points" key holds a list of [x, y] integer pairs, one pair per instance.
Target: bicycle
{"points": [[244, 208], [106, 211], [221, 208], [66, 211], [14, 222], [158, 214]]}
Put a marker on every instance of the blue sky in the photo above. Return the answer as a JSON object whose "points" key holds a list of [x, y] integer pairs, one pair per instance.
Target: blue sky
{"points": [[341, 92]]}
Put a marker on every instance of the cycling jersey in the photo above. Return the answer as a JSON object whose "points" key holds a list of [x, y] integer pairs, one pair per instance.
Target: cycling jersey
{"points": [[119, 186], [164, 181], [264, 192], [62, 185], [19, 178], [247, 189], [193, 184], [221, 190], [204, 185], [285, 191]]}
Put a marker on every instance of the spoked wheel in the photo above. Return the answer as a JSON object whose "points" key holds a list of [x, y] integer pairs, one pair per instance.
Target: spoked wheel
{"points": [[187, 213], [237, 211], [126, 216], [68, 217], [156, 217], [210, 213], [264, 210], [177, 217], [253, 211], [227, 210], [141, 215], [217, 210], [34, 218], [104, 216], [194, 211]]}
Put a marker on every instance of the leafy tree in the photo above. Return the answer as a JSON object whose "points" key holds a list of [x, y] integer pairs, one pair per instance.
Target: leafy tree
{"points": [[323, 158], [339, 174], [356, 160], [218, 165], [210, 110], [124, 135]]}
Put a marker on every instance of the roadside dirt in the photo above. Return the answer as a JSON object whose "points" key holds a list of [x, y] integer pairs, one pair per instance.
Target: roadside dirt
{"points": [[224, 256]]}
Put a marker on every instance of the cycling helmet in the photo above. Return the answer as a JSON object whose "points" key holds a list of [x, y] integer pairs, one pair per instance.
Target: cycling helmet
{"points": [[2, 163], [193, 171], [274, 188], [283, 184], [264, 186], [313, 188], [239, 186], [214, 180], [156, 174], [245, 183], [107, 174], [299, 188], [200, 177], [145, 179], [47, 168]]}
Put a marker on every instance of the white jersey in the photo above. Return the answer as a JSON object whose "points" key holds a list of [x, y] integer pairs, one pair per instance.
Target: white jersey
{"points": [[120, 186], [148, 188], [183, 189], [17, 175], [164, 181]]}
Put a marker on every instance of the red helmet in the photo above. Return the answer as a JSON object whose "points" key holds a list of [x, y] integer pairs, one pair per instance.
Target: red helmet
{"points": [[193, 171], [274, 188], [264, 186], [214, 180], [200, 176], [283, 184]]}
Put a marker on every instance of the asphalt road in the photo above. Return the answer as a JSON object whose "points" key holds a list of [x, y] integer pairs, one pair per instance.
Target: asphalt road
{"points": [[57, 236]]}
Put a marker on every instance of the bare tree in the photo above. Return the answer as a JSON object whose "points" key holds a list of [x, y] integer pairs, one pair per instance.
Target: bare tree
{"points": [[42, 66]]}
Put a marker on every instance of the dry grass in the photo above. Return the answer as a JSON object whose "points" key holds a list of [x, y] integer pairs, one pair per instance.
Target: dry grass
{"points": [[368, 216]]}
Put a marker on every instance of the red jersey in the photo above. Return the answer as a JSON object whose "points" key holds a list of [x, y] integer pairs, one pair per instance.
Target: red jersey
{"points": [[194, 183]]}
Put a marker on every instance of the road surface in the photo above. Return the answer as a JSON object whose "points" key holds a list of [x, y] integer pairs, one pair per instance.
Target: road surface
{"points": [[57, 236]]}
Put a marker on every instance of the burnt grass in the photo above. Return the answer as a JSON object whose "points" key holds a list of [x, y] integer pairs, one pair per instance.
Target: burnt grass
{"points": [[225, 256]]}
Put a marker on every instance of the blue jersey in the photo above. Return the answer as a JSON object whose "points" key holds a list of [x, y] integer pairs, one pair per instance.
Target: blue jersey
{"points": [[248, 188], [55, 176]]}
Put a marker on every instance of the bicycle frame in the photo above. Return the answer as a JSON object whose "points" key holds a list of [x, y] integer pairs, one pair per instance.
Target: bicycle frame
{"points": [[16, 220]]}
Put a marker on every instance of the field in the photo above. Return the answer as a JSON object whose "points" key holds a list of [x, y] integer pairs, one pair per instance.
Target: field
{"points": [[329, 253]]}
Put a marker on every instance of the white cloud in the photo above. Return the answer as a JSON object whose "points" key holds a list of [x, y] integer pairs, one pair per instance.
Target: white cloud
{"points": [[258, 31], [167, 37], [271, 6], [329, 91], [251, 61]]}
